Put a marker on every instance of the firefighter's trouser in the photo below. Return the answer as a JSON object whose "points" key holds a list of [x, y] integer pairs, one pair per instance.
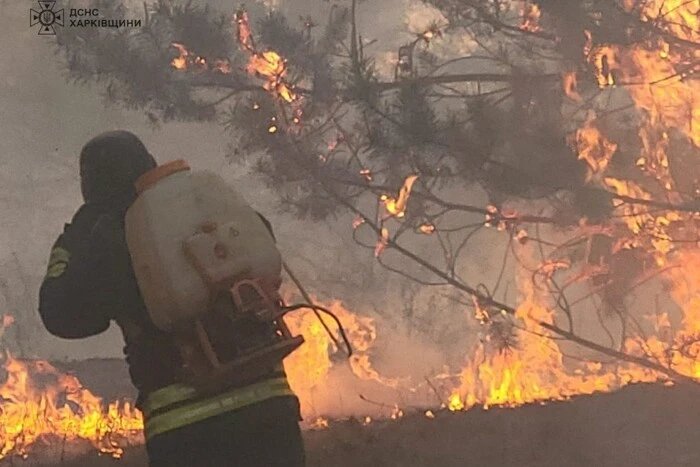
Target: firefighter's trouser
{"points": [[171, 407], [264, 434]]}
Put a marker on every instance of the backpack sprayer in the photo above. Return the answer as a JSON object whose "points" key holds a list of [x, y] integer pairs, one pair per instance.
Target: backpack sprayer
{"points": [[210, 272]]}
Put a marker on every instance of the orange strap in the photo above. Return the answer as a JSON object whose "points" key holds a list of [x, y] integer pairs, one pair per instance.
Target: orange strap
{"points": [[153, 176]]}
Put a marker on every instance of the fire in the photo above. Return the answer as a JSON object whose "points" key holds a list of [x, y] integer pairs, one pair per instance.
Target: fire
{"points": [[243, 31], [268, 65], [180, 62], [594, 148], [397, 206], [661, 71], [667, 100], [38, 402], [531, 18], [534, 370], [682, 350], [189, 61], [604, 59], [308, 368]]}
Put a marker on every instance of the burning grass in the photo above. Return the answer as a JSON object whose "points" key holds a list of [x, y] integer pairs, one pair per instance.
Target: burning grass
{"points": [[642, 426]]}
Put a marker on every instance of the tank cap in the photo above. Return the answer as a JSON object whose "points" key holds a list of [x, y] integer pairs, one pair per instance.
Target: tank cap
{"points": [[156, 174]]}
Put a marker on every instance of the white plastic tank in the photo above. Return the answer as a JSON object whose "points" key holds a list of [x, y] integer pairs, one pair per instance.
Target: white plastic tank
{"points": [[189, 233]]}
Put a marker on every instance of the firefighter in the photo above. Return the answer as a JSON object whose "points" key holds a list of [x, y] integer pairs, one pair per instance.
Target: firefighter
{"points": [[90, 282]]}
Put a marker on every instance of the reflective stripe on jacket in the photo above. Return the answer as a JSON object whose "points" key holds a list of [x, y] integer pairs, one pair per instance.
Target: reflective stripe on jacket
{"points": [[159, 418]]}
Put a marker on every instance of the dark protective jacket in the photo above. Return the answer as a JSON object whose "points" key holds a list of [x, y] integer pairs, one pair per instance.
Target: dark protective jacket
{"points": [[90, 282]]}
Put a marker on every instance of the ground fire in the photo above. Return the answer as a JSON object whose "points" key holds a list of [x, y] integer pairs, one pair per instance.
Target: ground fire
{"points": [[39, 402]]}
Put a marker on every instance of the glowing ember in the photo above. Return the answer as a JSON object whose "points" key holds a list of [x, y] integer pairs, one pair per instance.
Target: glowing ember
{"points": [[397, 206], [189, 61], [382, 243], [319, 423], [357, 222], [531, 18], [570, 85], [426, 229], [429, 34], [396, 413]]}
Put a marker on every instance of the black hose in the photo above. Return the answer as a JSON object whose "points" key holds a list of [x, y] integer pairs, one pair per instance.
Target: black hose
{"points": [[343, 335], [316, 310]]}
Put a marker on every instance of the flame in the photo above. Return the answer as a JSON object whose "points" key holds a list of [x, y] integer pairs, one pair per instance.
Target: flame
{"points": [[396, 413], [668, 99], [661, 73], [308, 368], [268, 65], [604, 60], [534, 369], [594, 148], [531, 371], [243, 31], [682, 350], [180, 62], [38, 402], [397, 206], [189, 61], [531, 18]]}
